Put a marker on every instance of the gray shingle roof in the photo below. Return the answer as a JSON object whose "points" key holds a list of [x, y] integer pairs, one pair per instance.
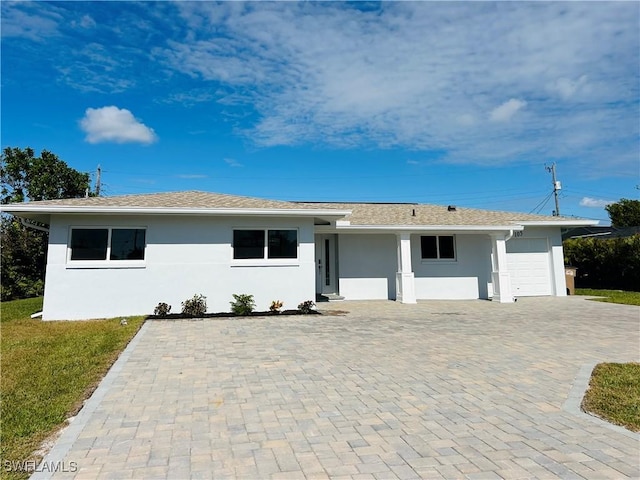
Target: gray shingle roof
{"points": [[189, 199], [374, 214], [378, 214]]}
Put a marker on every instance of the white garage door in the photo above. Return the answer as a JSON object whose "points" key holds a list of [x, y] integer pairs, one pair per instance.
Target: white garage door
{"points": [[528, 264]]}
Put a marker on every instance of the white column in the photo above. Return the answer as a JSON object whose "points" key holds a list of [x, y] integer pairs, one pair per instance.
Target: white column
{"points": [[405, 286], [499, 272]]}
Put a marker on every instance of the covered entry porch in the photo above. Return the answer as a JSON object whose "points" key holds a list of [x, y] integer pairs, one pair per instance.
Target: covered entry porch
{"points": [[407, 266]]}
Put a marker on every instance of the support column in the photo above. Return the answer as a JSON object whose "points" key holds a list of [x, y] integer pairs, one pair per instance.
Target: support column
{"points": [[500, 277], [405, 285]]}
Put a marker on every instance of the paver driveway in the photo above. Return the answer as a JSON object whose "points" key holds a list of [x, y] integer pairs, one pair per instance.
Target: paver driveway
{"points": [[439, 389]]}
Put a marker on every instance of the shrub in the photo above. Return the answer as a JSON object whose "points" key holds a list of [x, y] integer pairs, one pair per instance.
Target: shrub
{"points": [[162, 309], [605, 263], [195, 307], [276, 305], [306, 307], [242, 304]]}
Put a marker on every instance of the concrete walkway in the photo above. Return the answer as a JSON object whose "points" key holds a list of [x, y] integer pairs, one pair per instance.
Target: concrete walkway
{"points": [[440, 389]]}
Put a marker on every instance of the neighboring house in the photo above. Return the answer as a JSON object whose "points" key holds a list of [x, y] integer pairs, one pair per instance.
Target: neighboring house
{"points": [[601, 232], [113, 256]]}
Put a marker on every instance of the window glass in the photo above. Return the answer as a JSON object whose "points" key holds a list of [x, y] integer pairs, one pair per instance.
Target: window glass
{"points": [[446, 247], [248, 244], [89, 243], [283, 244], [127, 244], [429, 247]]}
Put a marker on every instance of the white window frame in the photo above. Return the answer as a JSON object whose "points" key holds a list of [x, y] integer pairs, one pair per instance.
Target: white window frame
{"points": [[107, 263], [438, 259], [265, 260]]}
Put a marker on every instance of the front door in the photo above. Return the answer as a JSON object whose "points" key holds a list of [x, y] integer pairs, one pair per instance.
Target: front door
{"points": [[326, 264]]}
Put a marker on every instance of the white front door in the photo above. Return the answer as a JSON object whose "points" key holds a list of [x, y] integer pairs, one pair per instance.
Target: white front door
{"points": [[326, 264]]}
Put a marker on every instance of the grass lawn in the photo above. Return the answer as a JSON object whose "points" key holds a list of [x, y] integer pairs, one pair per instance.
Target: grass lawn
{"points": [[614, 394], [611, 296], [48, 369]]}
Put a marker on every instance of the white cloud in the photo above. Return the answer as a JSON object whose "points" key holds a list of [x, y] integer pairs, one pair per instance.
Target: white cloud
{"points": [[29, 20], [595, 202], [567, 88], [420, 75], [426, 76], [233, 163], [191, 176], [507, 110], [112, 124]]}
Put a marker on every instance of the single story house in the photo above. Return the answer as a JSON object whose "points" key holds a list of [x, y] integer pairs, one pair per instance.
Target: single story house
{"points": [[116, 256]]}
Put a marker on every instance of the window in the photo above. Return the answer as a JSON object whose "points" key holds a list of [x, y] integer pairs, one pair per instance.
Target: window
{"points": [[127, 244], [107, 244], [283, 244], [438, 247], [89, 244], [261, 244], [248, 244]]}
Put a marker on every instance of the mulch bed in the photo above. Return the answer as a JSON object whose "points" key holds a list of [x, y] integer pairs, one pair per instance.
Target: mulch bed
{"points": [[178, 316]]}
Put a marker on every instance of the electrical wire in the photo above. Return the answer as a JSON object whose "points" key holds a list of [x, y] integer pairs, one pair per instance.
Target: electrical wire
{"points": [[542, 203]]}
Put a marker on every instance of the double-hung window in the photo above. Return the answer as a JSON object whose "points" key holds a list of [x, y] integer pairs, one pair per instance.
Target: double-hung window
{"points": [[260, 244], [107, 244], [438, 247]]}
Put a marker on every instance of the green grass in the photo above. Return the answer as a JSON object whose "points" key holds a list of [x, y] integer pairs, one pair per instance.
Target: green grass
{"points": [[611, 296], [48, 369], [614, 394]]}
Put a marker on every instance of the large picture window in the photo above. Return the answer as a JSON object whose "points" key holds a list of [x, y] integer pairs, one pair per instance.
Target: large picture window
{"points": [[265, 244], [107, 244], [438, 247]]}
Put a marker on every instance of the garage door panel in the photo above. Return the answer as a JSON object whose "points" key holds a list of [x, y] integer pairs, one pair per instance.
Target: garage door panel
{"points": [[528, 264]]}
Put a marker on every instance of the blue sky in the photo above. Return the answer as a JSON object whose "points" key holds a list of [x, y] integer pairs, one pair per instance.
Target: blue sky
{"points": [[444, 102]]}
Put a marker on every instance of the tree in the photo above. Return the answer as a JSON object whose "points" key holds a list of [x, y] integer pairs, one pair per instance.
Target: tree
{"points": [[26, 177], [624, 213], [23, 176]]}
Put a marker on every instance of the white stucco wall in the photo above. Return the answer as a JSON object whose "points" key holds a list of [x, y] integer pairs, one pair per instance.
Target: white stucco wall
{"points": [[185, 255], [464, 278], [367, 266]]}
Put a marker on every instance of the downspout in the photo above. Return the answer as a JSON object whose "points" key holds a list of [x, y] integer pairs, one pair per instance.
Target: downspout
{"points": [[24, 222], [510, 236]]}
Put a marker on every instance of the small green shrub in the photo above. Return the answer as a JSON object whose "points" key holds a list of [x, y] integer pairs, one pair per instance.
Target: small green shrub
{"points": [[276, 306], [306, 307], [162, 309], [195, 307], [242, 304]]}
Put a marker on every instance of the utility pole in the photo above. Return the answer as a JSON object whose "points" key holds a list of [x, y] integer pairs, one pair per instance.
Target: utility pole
{"points": [[99, 171], [556, 188]]}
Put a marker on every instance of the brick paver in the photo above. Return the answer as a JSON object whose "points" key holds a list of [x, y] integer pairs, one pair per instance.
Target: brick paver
{"points": [[434, 390]]}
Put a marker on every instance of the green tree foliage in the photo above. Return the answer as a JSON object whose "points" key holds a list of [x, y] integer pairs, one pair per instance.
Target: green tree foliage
{"points": [[25, 177], [624, 213], [609, 264]]}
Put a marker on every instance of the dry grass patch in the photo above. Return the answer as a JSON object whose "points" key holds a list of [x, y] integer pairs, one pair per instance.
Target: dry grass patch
{"points": [[48, 370], [614, 394]]}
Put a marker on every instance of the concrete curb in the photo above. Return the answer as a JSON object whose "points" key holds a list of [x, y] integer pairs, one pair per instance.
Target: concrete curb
{"points": [[574, 401], [55, 458]]}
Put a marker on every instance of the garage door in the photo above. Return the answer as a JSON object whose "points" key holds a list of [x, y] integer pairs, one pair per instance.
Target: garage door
{"points": [[528, 264]]}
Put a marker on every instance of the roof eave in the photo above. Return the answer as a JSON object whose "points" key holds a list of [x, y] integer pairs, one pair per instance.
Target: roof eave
{"points": [[569, 222], [430, 228], [64, 210]]}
